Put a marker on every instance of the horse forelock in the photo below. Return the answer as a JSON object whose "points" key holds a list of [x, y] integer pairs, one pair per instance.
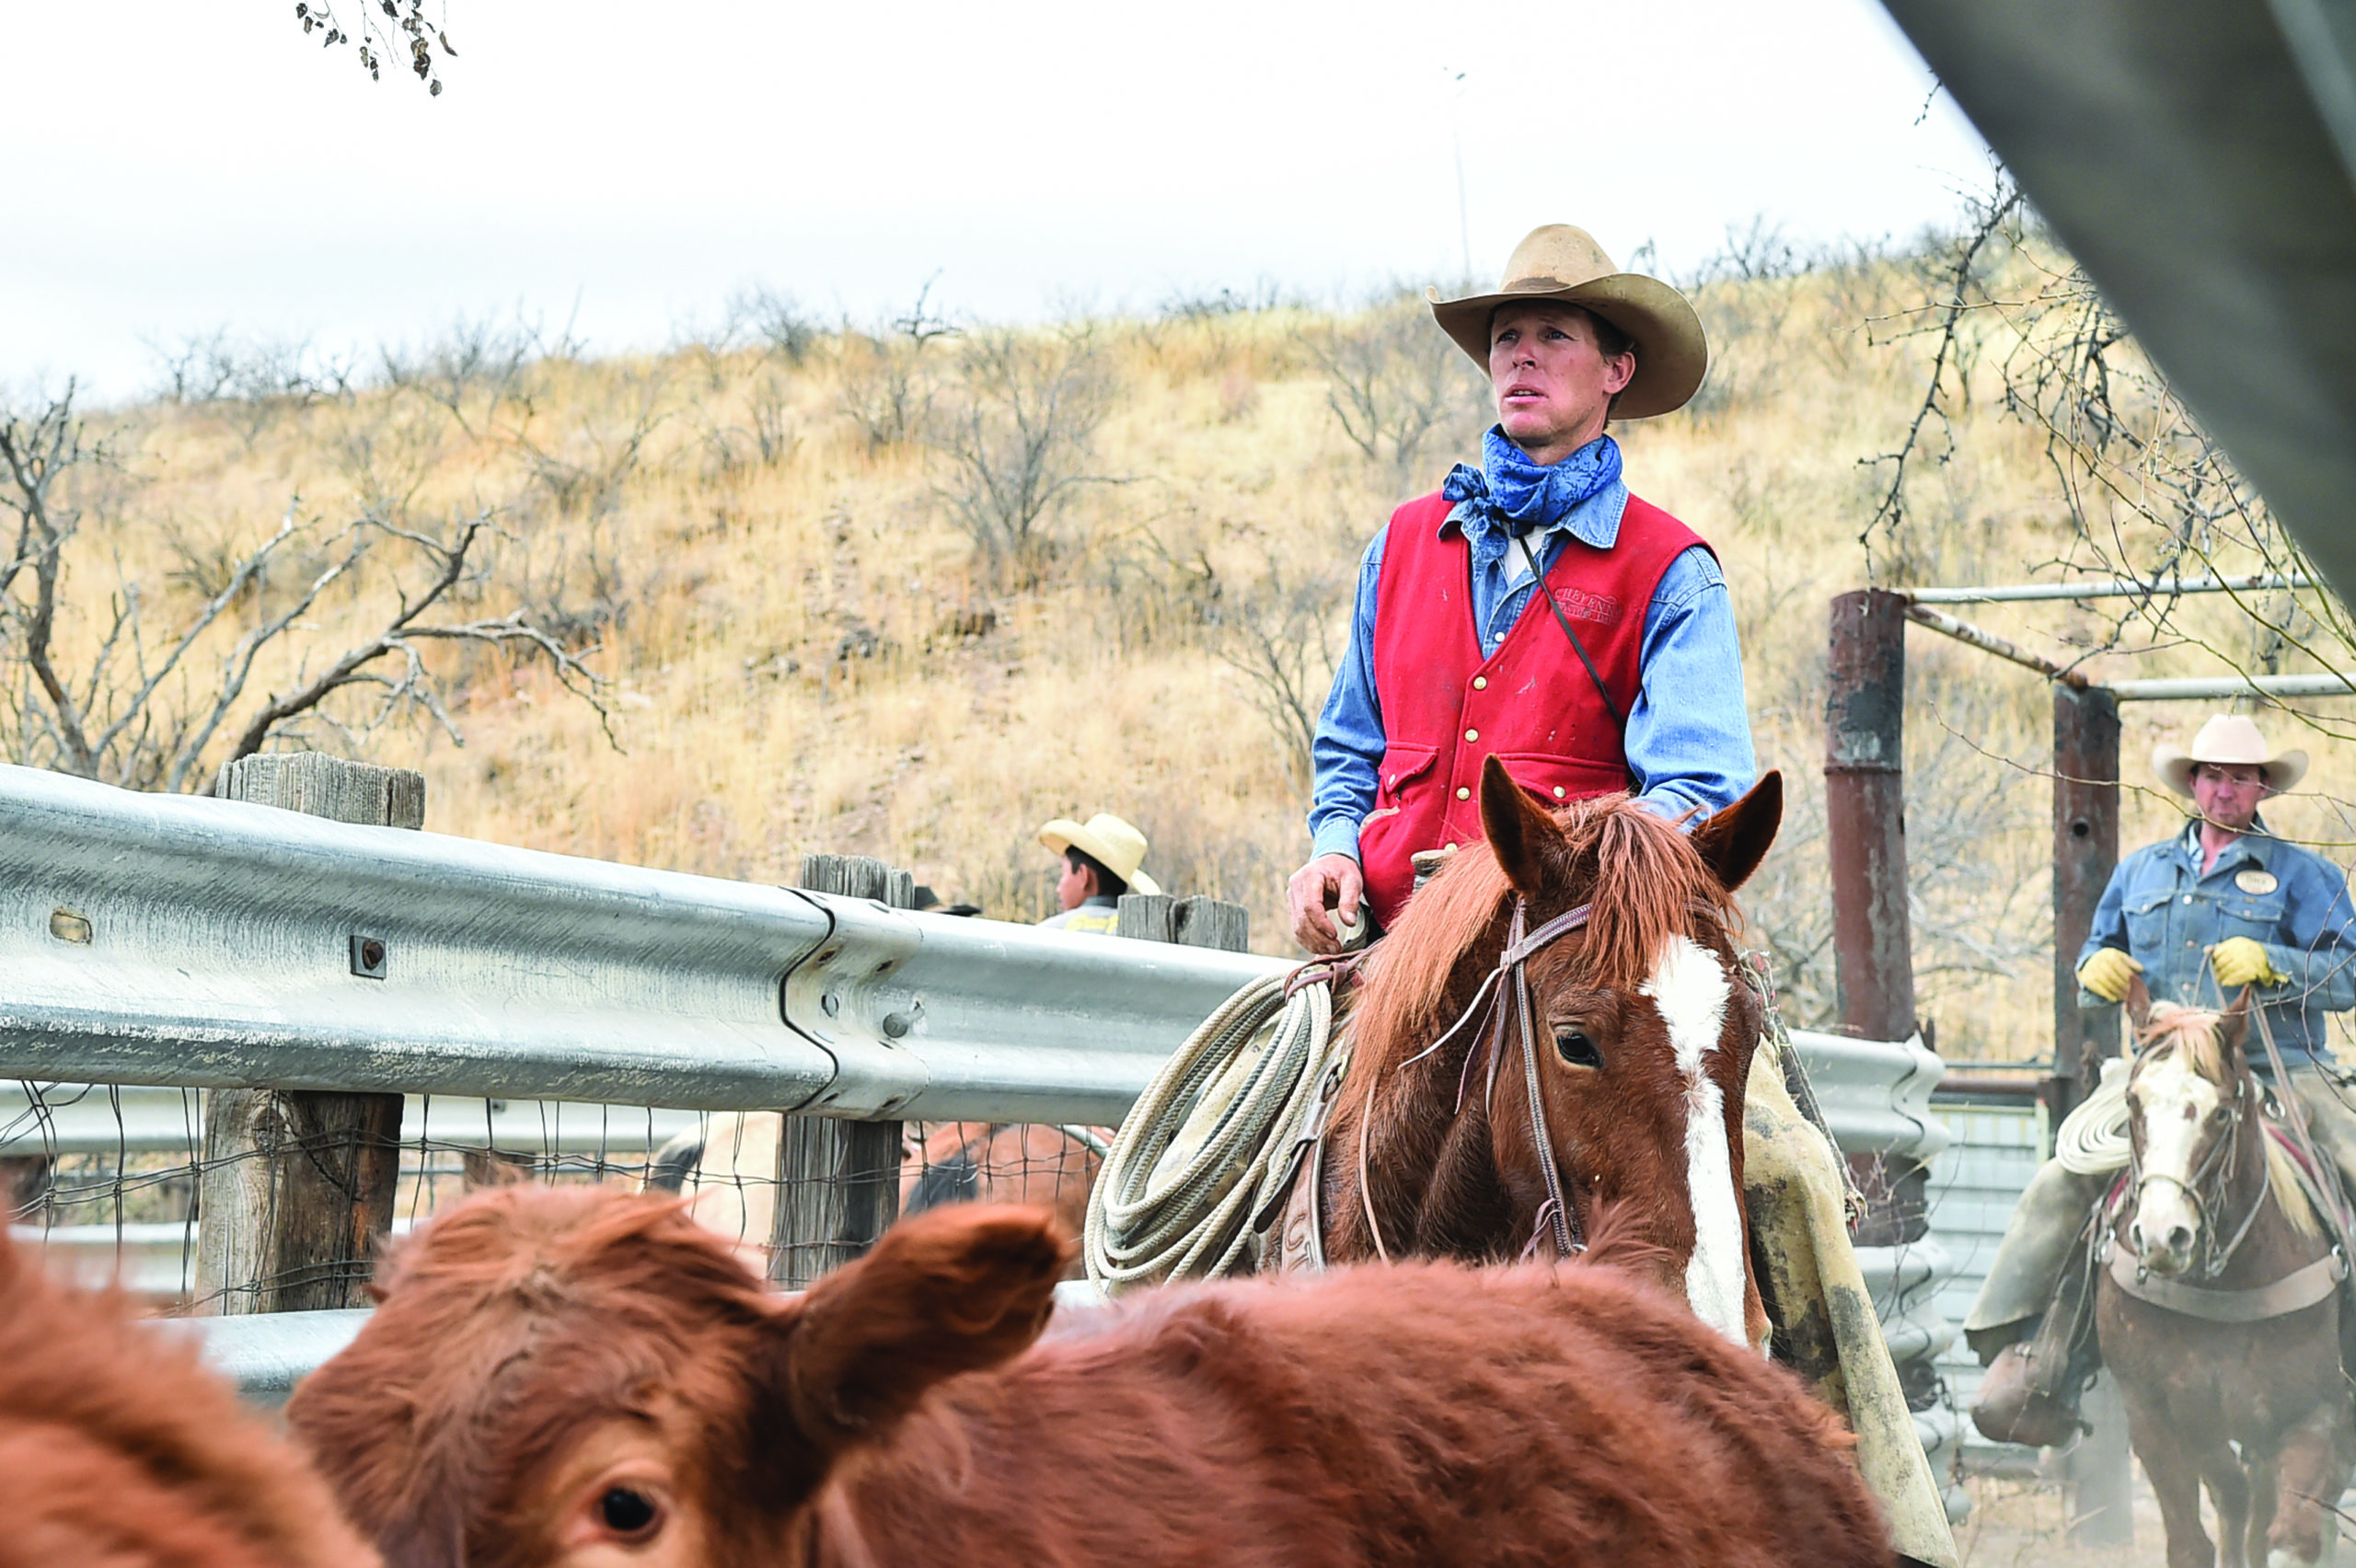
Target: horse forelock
{"points": [[1638, 872], [2190, 1034]]}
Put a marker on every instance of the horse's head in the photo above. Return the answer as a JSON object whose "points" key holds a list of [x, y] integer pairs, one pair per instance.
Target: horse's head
{"points": [[1642, 1025], [2189, 1099]]}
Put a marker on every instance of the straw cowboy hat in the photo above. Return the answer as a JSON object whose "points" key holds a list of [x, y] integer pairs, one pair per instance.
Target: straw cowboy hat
{"points": [[1559, 263], [1111, 842], [2227, 738]]}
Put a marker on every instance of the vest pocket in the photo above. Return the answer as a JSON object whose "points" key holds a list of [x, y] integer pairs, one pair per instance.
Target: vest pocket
{"points": [[1558, 780], [1401, 764]]}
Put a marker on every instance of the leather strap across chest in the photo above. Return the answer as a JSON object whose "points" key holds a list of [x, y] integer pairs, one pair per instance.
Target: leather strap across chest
{"points": [[2294, 1292]]}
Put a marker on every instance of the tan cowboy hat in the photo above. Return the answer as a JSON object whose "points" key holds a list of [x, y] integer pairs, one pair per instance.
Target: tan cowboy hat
{"points": [[1110, 841], [2228, 738], [1560, 262]]}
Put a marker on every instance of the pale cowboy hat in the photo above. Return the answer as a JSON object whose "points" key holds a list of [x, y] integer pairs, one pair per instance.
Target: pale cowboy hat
{"points": [[2228, 738], [1559, 263], [1112, 843]]}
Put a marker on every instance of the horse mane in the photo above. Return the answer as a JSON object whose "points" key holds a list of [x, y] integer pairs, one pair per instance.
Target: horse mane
{"points": [[1656, 879], [2190, 1032]]}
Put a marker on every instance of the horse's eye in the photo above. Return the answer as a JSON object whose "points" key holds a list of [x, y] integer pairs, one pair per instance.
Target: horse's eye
{"points": [[2222, 1114], [628, 1513], [1575, 1047]]}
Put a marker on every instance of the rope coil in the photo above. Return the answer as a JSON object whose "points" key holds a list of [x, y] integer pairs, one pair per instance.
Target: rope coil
{"points": [[2092, 1139], [1210, 1140]]}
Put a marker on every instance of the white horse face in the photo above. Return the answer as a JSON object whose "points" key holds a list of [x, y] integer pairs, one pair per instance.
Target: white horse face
{"points": [[2179, 1116]]}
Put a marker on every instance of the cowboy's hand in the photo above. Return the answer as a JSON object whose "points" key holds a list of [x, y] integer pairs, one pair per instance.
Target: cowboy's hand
{"points": [[2241, 961], [1333, 879], [2107, 971]]}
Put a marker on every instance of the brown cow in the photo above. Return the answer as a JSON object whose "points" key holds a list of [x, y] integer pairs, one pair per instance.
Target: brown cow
{"points": [[117, 1451], [580, 1377]]}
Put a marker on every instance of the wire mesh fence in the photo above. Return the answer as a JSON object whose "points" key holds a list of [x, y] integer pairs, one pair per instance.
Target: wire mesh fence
{"points": [[106, 1181]]}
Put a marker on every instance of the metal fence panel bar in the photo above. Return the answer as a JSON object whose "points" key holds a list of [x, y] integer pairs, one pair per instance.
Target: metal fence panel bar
{"points": [[2167, 588], [2220, 688], [1875, 1093]]}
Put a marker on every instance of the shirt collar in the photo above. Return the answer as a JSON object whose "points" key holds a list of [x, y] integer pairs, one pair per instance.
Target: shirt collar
{"points": [[2257, 845], [1594, 522]]}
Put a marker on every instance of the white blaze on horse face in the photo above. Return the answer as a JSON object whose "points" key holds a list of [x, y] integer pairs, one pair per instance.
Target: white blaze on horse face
{"points": [[1688, 989], [2177, 1104]]}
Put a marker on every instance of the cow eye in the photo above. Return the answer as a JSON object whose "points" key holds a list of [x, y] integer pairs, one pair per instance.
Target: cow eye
{"points": [[629, 1513], [1575, 1047]]}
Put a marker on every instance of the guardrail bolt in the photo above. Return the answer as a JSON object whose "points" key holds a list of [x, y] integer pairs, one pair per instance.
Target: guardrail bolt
{"points": [[368, 957], [68, 926]]}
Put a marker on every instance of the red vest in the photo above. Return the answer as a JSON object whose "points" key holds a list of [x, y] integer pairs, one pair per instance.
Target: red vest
{"points": [[1446, 708]]}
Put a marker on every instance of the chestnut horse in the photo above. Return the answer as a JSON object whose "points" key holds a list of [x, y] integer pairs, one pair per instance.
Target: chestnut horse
{"points": [[1608, 1068], [2219, 1308], [572, 1376], [118, 1449]]}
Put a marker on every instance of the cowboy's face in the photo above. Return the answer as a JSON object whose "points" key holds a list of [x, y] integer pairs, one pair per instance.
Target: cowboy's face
{"points": [[1553, 383], [1077, 886], [2228, 793]]}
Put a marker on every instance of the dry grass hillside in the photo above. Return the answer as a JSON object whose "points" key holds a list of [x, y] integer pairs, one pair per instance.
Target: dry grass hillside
{"points": [[910, 593]]}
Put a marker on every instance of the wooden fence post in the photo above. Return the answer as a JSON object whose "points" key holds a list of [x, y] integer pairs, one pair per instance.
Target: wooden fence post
{"points": [[1191, 922], [298, 1185], [838, 1181]]}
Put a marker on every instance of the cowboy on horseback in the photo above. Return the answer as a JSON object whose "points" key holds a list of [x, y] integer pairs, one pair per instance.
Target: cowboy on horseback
{"points": [[1629, 677], [2222, 905]]}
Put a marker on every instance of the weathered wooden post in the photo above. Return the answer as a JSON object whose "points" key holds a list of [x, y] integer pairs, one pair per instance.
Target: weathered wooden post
{"points": [[838, 1181], [2085, 848], [298, 1185], [1191, 922]]}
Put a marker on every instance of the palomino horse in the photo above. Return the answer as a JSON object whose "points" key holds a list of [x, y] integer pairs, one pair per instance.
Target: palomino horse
{"points": [[567, 1378], [118, 1449], [1618, 1038], [2219, 1309]]}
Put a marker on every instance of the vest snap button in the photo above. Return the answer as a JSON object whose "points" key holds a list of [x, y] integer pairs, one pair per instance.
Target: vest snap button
{"points": [[1480, 682], [1463, 793], [1559, 792], [1472, 734]]}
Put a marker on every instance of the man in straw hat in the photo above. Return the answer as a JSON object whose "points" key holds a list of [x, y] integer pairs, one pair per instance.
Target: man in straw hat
{"points": [[2199, 914], [1629, 678], [1104, 857]]}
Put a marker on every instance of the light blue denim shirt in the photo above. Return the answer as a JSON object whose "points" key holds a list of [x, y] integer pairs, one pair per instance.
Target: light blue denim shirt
{"points": [[1688, 738], [2166, 914]]}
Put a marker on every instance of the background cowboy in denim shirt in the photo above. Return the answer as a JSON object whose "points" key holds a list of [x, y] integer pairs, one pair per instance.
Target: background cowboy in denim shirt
{"points": [[2199, 914]]}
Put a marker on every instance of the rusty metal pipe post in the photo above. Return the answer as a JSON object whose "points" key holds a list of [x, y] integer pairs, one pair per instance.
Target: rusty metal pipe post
{"points": [[1864, 814], [2085, 850]]}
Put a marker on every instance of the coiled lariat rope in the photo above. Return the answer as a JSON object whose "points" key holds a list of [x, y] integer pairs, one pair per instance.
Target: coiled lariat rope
{"points": [[1208, 1143]]}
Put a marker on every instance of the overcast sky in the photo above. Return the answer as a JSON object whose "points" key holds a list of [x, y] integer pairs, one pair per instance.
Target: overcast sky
{"points": [[176, 169]]}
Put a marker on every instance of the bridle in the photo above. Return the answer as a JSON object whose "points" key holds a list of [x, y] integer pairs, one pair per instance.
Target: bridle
{"points": [[2206, 1187], [1557, 1220]]}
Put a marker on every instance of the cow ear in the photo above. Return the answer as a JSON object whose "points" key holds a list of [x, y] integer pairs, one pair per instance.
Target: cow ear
{"points": [[1733, 841], [953, 1290], [1524, 834]]}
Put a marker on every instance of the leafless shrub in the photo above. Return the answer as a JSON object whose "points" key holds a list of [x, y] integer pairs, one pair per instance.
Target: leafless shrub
{"points": [[584, 472], [1285, 634], [1018, 440], [887, 386], [150, 706], [774, 319], [1394, 381], [478, 363]]}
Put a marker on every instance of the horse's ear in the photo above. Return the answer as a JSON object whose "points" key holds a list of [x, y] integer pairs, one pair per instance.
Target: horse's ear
{"points": [[1734, 841], [2232, 1028], [2139, 1003], [1525, 836], [953, 1290]]}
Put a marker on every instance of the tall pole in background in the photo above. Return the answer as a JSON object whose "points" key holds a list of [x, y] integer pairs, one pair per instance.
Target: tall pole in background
{"points": [[1864, 814]]}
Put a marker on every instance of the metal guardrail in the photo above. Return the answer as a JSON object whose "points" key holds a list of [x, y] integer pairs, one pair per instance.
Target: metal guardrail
{"points": [[158, 939], [162, 939]]}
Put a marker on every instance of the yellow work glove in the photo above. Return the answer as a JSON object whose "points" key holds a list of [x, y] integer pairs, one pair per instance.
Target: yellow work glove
{"points": [[2240, 960], [2107, 974]]}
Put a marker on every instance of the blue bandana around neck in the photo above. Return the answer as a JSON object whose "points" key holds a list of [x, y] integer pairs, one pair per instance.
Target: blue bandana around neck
{"points": [[1510, 494]]}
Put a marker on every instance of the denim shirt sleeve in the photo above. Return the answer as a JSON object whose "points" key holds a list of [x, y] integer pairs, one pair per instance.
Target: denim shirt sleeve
{"points": [[2109, 927], [1347, 753], [1688, 739], [2320, 958]]}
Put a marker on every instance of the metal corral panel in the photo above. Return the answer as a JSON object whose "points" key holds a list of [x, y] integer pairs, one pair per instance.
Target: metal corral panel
{"points": [[1974, 1185]]}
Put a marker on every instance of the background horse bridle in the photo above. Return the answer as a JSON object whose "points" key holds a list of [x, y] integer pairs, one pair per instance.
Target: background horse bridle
{"points": [[2206, 1189]]}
